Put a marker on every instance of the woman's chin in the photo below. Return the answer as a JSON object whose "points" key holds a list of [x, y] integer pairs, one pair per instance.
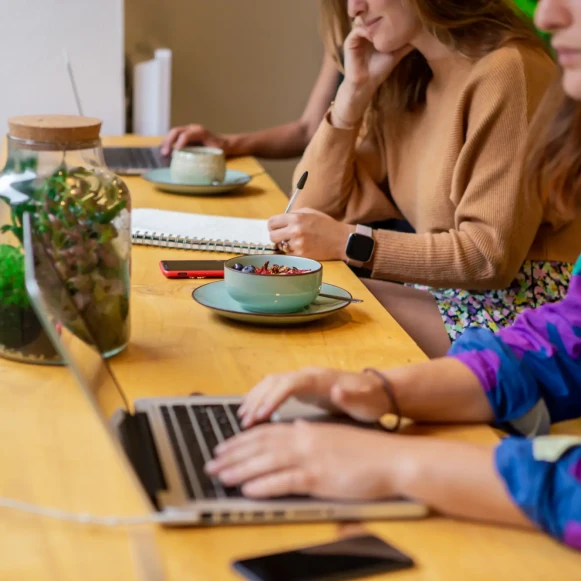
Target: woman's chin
{"points": [[386, 46], [571, 84]]}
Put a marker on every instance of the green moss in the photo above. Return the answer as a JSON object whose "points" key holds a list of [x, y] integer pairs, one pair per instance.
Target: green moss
{"points": [[12, 289]]}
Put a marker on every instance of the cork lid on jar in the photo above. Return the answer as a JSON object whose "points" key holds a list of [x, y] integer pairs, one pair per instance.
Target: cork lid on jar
{"points": [[55, 129]]}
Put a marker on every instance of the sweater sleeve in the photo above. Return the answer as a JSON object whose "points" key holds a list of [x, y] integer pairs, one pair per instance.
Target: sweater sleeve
{"points": [[533, 365], [543, 477], [494, 223], [346, 168]]}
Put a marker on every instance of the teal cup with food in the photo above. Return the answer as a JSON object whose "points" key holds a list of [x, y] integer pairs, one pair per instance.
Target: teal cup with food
{"points": [[267, 283]]}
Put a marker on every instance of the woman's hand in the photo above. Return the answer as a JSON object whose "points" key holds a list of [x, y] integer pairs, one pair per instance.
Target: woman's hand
{"points": [[319, 460], [179, 137], [366, 70], [343, 463], [311, 233], [359, 395]]}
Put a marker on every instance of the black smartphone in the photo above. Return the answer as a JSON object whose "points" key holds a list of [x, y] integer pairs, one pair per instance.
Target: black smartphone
{"points": [[349, 558], [192, 268]]}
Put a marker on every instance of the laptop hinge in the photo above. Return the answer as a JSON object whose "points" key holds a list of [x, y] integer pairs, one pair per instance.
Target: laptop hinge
{"points": [[137, 441]]}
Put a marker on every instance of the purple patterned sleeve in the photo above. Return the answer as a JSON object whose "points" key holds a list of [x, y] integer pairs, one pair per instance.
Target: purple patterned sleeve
{"points": [[536, 359], [543, 477], [536, 365]]}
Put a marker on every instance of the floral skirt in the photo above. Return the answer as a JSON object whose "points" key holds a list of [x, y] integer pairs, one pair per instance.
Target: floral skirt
{"points": [[536, 283]]}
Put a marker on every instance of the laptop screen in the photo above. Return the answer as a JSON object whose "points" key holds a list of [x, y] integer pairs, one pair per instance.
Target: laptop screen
{"points": [[67, 329]]}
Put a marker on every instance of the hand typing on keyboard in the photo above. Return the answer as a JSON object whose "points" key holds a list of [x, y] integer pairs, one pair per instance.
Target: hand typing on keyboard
{"points": [[304, 458], [359, 395]]}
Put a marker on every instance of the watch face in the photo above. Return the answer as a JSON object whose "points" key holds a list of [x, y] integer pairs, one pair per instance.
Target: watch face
{"points": [[360, 247]]}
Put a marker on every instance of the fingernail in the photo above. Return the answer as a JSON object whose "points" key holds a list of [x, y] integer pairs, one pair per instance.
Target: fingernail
{"points": [[210, 466], [246, 421]]}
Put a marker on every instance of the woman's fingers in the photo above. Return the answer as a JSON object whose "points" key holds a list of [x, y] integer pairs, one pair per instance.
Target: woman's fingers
{"points": [[170, 139], [285, 233], [282, 483], [238, 456], [179, 137], [253, 399], [195, 134], [256, 466], [264, 400], [278, 221]]}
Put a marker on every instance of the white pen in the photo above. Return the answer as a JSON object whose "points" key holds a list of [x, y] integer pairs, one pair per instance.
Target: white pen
{"points": [[300, 186]]}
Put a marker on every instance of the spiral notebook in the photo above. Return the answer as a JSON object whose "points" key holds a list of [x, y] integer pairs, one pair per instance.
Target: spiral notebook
{"points": [[200, 232]]}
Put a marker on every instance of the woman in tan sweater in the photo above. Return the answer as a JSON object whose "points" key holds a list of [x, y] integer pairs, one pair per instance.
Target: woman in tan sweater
{"points": [[429, 125]]}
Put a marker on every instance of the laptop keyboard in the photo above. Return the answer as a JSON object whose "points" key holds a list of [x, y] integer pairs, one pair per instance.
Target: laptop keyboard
{"points": [[126, 158], [194, 432]]}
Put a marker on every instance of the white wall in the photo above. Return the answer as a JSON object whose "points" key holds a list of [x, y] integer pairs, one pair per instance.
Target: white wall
{"points": [[238, 65], [33, 34]]}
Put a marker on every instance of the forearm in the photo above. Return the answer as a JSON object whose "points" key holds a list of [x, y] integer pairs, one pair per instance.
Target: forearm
{"points": [[443, 390], [350, 106], [343, 176], [280, 142], [454, 478], [467, 258]]}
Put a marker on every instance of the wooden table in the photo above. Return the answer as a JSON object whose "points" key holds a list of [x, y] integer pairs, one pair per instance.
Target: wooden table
{"points": [[53, 450]]}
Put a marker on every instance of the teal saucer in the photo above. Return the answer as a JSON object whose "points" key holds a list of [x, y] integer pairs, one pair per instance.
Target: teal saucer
{"points": [[161, 179], [215, 297]]}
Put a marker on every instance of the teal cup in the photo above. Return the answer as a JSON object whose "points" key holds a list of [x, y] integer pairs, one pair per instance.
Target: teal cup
{"points": [[273, 293]]}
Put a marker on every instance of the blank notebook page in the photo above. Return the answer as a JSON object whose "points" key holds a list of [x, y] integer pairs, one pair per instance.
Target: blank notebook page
{"points": [[215, 228]]}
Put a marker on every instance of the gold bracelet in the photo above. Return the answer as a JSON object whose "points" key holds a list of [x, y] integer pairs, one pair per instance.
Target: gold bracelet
{"points": [[391, 396]]}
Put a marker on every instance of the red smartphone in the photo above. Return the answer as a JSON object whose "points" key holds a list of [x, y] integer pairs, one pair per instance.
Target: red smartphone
{"points": [[192, 268]]}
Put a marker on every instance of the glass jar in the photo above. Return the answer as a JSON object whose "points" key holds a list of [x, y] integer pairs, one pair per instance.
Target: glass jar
{"points": [[55, 170]]}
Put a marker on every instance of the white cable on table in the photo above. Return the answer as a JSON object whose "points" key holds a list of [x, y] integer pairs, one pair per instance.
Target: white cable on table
{"points": [[82, 518]]}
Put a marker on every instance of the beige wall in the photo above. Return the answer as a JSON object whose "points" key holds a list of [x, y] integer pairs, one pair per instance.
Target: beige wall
{"points": [[238, 64]]}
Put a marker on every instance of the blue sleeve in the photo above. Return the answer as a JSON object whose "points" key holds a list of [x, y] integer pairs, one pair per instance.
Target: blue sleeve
{"points": [[543, 477], [536, 361]]}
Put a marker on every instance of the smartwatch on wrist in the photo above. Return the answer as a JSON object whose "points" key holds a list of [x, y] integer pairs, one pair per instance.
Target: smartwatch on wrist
{"points": [[360, 246]]}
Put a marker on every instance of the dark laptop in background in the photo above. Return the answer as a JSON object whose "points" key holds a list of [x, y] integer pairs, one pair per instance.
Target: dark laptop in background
{"points": [[134, 160]]}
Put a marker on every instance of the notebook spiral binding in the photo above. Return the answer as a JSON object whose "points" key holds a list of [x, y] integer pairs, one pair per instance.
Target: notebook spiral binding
{"points": [[187, 243]]}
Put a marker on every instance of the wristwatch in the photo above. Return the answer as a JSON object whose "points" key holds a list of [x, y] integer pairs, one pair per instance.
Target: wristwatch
{"points": [[360, 246]]}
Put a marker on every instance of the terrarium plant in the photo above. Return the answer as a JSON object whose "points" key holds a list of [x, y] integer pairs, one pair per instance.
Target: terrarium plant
{"points": [[75, 214], [75, 217]]}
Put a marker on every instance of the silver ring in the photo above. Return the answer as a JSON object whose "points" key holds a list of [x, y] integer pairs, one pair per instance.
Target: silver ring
{"points": [[284, 246]]}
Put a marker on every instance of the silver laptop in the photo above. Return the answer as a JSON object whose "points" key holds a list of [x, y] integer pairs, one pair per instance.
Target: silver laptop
{"points": [[167, 440], [134, 160]]}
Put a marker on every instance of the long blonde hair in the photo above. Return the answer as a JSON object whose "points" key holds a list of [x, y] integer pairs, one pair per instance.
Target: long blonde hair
{"points": [[552, 170], [474, 28]]}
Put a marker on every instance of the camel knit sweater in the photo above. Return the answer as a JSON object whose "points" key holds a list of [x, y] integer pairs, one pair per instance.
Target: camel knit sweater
{"points": [[452, 168]]}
